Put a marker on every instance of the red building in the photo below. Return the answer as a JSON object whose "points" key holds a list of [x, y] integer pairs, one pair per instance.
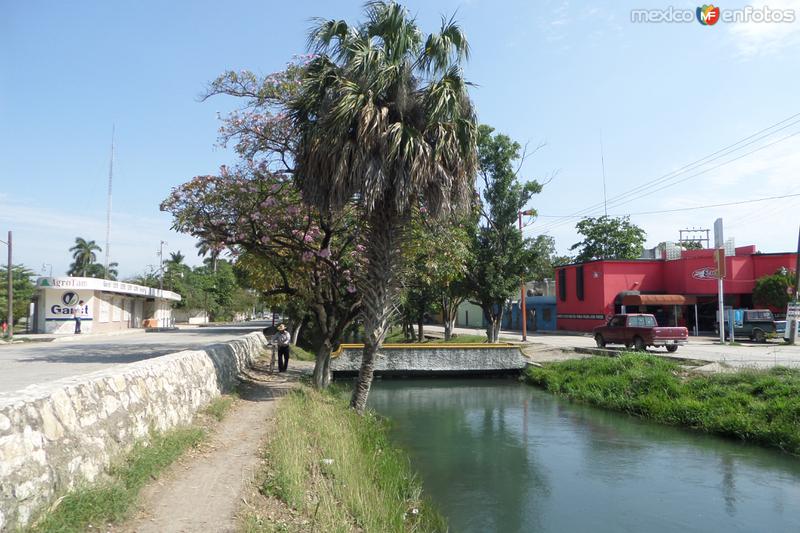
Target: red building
{"points": [[678, 291]]}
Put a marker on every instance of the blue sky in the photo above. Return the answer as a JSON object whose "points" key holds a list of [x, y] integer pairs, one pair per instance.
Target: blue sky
{"points": [[554, 72]]}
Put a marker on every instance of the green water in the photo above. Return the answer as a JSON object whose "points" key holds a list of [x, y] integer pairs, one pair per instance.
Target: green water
{"points": [[496, 455]]}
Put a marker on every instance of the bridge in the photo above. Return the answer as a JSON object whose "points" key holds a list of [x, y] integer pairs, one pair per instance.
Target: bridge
{"points": [[432, 358]]}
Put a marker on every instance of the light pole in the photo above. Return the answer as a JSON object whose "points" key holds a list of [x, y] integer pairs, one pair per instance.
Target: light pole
{"points": [[161, 265], [10, 314], [522, 304]]}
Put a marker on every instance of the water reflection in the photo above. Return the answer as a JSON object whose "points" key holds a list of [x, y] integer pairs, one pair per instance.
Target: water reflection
{"points": [[499, 456]]}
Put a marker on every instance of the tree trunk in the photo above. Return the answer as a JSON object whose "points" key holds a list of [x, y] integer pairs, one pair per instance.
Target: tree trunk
{"points": [[377, 290], [296, 332], [420, 329], [322, 366], [448, 330]]}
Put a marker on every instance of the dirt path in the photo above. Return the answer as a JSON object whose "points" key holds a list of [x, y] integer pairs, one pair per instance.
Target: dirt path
{"points": [[202, 492]]}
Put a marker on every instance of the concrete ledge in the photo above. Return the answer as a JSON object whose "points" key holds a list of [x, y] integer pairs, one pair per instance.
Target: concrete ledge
{"points": [[57, 435], [421, 359]]}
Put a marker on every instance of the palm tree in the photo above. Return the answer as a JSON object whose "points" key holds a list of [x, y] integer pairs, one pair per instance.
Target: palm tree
{"points": [[176, 258], [206, 248], [383, 117], [84, 255], [96, 270]]}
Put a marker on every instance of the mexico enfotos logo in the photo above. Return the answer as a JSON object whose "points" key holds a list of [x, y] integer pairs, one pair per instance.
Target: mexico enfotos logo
{"points": [[709, 15]]}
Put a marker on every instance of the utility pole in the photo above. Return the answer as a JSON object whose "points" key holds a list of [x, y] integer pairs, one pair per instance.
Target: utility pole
{"points": [[522, 304], [719, 254], [108, 208], [10, 313], [161, 265], [793, 322]]}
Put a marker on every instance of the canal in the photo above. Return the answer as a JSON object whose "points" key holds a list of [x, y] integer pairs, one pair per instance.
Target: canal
{"points": [[498, 455]]}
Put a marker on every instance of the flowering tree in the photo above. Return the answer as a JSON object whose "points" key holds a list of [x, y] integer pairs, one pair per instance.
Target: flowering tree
{"points": [[255, 208], [306, 255]]}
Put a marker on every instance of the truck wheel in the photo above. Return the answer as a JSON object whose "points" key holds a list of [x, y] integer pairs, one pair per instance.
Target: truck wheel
{"points": [[601, 342], [638, 344], [671, 348], [759, 336]]}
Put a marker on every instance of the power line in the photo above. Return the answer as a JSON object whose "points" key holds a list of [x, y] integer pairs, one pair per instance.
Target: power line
{"points": [[727, 150], [553, 225], [726, 204]]}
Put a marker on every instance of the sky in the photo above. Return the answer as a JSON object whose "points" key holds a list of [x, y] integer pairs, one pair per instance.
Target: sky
{"points": [[566, 76]]}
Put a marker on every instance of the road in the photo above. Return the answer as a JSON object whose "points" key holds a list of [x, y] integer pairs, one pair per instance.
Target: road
{"points": [[744, 355], [40, 362]]}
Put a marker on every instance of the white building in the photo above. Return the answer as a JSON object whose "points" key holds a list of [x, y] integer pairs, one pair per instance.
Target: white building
{"points": [[108, 305]]}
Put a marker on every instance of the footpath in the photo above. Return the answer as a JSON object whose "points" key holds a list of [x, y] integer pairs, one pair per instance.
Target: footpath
{"points": [[205, 489]]}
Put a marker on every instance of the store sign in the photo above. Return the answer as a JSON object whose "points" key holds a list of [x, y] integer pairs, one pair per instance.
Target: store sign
{"points": [[705, 273], [793, 311], [62, 307]]}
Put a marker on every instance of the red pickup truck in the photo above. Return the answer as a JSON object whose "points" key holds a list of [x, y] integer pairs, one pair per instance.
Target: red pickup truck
{"points": [[639, 331]]}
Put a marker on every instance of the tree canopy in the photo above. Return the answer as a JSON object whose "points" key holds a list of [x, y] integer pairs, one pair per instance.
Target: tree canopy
{"points": [[773, 290], [501, 256], [384, 116], [608, 238]]}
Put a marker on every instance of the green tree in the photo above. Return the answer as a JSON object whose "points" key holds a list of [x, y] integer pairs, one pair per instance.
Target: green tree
{"points": [[83, 255], [773, 290], [501, 257], [24, 290], [383, 115], [96, 270], [608, 238], [435, 258]]}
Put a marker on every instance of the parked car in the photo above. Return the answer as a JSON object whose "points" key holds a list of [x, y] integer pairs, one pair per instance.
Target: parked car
{"points": [[639, 331], [755, 324]]}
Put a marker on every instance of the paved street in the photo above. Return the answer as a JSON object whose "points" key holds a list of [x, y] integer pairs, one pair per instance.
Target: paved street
{"points": [[25, 364], [747, 354]]}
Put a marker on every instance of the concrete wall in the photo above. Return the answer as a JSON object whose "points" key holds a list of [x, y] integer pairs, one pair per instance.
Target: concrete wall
{"points": [[427, 358], [57, 435]]}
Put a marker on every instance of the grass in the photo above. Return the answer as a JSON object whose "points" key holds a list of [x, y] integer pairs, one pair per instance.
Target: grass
{"points": [[219, 406], [295, 352], [111, 501], [88, 507], [756, 406], [339, 471]]}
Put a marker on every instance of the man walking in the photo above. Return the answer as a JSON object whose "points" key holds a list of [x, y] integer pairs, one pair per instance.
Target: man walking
{"points": [[282, 340], [77, 313]]}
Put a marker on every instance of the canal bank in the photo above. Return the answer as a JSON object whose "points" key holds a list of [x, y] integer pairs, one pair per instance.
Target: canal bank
{"points": [[761, 407], [498, 455]]}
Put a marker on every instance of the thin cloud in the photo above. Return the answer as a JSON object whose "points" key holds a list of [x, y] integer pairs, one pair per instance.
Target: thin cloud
{"points": [[755, 39]]}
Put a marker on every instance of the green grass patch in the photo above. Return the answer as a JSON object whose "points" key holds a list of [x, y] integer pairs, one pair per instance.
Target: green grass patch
{"points": [[219, 406], [111, 501], [340, 471], [295, 352], [756, 406]]}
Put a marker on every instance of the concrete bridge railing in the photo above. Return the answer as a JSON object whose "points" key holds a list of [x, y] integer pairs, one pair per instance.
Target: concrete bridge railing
{"points": [[432, 358]]}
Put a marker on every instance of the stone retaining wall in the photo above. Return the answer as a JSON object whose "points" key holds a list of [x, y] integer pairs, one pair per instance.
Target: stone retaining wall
{"points": [[57, 435], [433, 358]]}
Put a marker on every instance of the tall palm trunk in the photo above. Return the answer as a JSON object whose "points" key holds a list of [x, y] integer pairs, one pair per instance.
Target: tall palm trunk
{"points": [[378, 290]]}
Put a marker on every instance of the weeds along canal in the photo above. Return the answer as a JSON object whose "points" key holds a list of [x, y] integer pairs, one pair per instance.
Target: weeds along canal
{"points": [[498, 455]]}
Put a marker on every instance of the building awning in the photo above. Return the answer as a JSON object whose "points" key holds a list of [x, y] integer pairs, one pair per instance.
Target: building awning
{"points": [[658, 299]]}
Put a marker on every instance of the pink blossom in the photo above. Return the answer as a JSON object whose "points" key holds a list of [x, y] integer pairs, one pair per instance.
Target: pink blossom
{"points": [[325, 253], [351, 288], [308, 256]]}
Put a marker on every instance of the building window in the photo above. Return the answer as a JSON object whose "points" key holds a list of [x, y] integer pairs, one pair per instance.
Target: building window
{"points": [[579, 282], [562, 284]]}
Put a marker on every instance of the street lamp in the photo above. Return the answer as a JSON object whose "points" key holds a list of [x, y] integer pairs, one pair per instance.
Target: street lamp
{"points": [[10, 315], [522, 304]]}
